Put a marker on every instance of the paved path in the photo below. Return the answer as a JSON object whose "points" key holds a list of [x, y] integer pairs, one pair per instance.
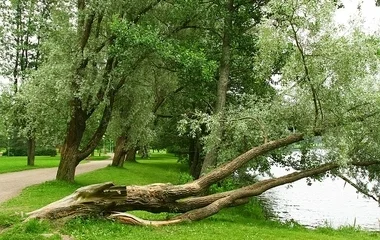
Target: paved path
{"points": [[11, 184]]}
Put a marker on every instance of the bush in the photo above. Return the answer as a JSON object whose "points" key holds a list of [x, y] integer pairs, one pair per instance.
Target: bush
{"points": [[23, 152], [46, 152], [15, 152]]}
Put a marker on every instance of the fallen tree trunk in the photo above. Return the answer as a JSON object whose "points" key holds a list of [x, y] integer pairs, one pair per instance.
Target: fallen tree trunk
{"points": [[108, 200]]}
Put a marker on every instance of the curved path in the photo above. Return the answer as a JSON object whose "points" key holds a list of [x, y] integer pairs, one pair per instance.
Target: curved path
{"points": [[11, 184]]}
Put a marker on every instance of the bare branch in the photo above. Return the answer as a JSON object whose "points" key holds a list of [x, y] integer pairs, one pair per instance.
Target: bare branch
{"points": [[358, 188]]}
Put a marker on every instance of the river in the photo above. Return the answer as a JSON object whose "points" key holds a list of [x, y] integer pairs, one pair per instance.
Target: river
{"points": [[328, 203]]}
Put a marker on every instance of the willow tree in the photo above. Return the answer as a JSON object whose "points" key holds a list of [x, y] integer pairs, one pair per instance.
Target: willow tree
{"points": [[91, 55], [328, 90], [25, 27], [83, 72], [132, 118]]}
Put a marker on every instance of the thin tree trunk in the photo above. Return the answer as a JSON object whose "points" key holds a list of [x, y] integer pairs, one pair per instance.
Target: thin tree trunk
{"points": [[31, 142], [144, 152], [210, 160], [195, 158]]}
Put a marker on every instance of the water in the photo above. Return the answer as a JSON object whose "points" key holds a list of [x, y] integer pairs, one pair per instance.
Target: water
{"points": [[327, 203]]}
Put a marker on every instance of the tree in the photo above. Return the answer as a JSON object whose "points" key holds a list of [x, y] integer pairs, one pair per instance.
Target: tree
{"points": [[25, 25], [327, 92], [81, 57], [139, 119], [132, 118]]}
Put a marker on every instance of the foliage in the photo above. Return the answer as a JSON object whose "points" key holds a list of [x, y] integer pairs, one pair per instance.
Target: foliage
{"points": [[52, 152]]}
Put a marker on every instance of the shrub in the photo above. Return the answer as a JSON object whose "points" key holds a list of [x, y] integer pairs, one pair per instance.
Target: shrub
{"points": [[23, 152]]}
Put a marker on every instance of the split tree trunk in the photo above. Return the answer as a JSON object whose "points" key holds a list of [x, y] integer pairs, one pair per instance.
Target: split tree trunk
{"points": [[31, 142], [106, 198]]}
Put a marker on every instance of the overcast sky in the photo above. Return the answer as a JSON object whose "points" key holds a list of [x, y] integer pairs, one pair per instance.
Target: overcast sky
{"points": [[365, 10]]}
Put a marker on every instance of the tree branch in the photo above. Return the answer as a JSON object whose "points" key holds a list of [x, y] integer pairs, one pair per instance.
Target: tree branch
{"points": [[316, 101], [145, 10], [87, 31], [102, 127], [228, 168], [358, 188]]}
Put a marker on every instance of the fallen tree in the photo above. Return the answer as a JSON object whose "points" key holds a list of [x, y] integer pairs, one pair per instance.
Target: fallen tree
{"points": [[112, 201]]}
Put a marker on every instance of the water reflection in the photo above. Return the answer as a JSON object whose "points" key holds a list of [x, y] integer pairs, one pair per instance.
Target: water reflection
{"points": [[330, 202]]}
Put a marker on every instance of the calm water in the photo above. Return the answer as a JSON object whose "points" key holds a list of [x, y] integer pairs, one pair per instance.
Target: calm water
{"points": [[330, 202]]}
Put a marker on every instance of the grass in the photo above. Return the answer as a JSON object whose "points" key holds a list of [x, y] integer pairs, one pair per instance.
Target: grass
{"points": [[245, 222], [15, 164]]}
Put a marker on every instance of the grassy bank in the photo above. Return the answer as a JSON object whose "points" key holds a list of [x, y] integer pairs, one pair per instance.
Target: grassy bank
{"points": [[245, 222], [14, 164]]}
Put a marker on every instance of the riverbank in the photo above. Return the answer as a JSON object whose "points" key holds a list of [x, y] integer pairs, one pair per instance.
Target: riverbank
{"points": [[329, 202], [244, 222]]}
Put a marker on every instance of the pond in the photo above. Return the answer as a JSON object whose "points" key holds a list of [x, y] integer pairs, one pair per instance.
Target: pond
{"points": [[328, 203]]}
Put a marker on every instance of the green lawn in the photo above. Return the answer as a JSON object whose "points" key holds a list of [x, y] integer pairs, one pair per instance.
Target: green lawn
{"points": [[245, 222], [14, 164]]}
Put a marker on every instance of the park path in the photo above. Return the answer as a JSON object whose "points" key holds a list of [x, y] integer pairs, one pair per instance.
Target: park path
{"points": [[11, 184]]}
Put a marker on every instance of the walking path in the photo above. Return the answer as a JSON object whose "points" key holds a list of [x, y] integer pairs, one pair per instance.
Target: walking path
{"points": [[11, 184]]}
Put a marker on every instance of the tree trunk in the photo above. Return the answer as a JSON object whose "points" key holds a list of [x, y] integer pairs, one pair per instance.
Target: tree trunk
{"points": [[31, 142], [119, 156], [144, 152], [210, 160], [71, 154], [195, 160], [67, 166], [70, 148], [104, 199], [130, 155]]}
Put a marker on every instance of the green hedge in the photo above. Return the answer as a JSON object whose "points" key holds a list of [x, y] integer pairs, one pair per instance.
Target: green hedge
{"points": [[23, 152]]}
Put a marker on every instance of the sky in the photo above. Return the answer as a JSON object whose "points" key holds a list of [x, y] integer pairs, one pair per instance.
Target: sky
{"points": [[365, 10]]}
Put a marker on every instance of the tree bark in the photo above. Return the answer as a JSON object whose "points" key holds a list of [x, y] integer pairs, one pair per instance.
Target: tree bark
{"points": [[119, 156], [107, 198], [71, 154], [130, 155], [195, 160], [31, 142], [70, 148], [210, 160]]}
